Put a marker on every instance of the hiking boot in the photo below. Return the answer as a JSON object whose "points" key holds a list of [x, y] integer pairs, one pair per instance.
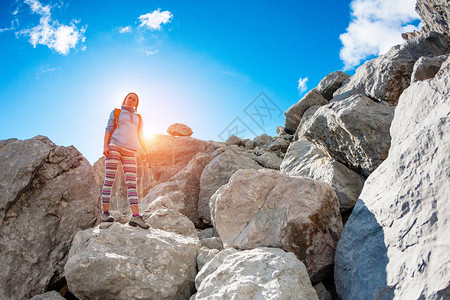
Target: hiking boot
{"points": [[106, 217], [138, 221]]}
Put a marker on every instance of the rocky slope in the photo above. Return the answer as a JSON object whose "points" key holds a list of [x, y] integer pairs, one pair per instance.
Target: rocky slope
{"points": [[256, 219]]}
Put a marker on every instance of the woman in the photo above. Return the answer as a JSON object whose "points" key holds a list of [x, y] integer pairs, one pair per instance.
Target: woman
{"points": [[123, 135]]}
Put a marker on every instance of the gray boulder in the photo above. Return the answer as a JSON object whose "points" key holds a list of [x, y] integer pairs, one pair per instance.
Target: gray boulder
{"points": [[47, 194], [269, 160], [427, 67], [354, 131], [204, 255], [295, 112], [331, 83], [262, 140], [171, 220], [263, 273], [385, 77], [181, 192], [264, 208], [395, 243], [435, 15], [52, 295], [131, 263], [304, 158], [216, 174]]}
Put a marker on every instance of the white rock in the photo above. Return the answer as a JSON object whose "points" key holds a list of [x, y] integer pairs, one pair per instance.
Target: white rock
{"points": [[398, 232], [131, 263], [263, 273], [260, 208]]}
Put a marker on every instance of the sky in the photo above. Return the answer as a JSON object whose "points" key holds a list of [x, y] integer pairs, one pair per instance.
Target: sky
{"points": [[220, 67]]}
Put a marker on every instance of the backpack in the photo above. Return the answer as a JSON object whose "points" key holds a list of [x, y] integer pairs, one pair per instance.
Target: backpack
{"points": [[116, 120]]}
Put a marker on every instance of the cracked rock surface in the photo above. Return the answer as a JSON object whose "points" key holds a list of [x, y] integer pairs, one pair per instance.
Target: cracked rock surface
{"points": [[265, 208], [124, 262], [395, 244], [47, 194]]}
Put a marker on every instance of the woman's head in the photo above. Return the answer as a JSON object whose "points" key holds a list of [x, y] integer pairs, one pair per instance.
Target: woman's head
{"points": [[131, 100]]}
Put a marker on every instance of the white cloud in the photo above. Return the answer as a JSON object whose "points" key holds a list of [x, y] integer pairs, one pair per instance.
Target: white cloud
{"points": [[154, 19], [302, 85], [376, 26], [50, 33], [125, 29]]}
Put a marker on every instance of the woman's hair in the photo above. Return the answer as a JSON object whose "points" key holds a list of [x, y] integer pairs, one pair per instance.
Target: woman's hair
{"points": [[123, 103]]}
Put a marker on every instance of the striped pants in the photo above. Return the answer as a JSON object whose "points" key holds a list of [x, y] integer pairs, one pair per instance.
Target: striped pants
{"points": [[126, 156]]}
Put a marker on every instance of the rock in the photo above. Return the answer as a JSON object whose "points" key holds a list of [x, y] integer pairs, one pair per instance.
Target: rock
{"points": [[205, 233], [426, 67], [178, 129], [305, 159], [280, 131], [264, 208], [173, 221], [295, 112], [278, 144], [322, 293], [131, 263], [216, 174], [262, 140], [234, 140], [212, 243], [263, 273], [181, 192], [331, 83], [212, 265], [306, 116], [168, 156], [354, 131], [435, 15], [52, 295], [249, 144], [385, 77], [47, 194], [269, 160], [205, 255], [445, 68], [397, 234]]}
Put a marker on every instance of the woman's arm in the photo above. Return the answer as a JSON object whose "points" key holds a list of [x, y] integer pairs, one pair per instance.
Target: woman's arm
{"points": [[106, 143]]}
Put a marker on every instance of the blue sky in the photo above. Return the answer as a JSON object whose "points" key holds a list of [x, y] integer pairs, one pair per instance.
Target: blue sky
{"points": [[212, 65]]}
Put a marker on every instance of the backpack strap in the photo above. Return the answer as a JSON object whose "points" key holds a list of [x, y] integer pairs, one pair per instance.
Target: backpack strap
{"points": [[116, 119]]}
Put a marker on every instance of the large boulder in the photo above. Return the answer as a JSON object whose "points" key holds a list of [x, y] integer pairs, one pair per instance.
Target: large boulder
{"points": [[427, 67], [295, 112], [395, 244], [354, 131], [262, 273], [304, 158], [264, 208], [181, 192], [216, 174], [435, 15], [131, 263], [331, 83], [179, 129], [385, 77], [171, 220], [168, 155], [47, 194]]}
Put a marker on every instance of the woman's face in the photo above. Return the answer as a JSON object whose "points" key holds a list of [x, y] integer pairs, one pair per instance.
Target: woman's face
{"points": [[131, 100]]}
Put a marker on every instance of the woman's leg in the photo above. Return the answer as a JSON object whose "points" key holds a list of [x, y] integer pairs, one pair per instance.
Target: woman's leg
{"points": [[111, 165], [130, 173]]}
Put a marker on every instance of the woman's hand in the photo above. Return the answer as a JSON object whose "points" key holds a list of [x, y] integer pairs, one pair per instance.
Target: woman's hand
{"points": [[106, 151]]}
